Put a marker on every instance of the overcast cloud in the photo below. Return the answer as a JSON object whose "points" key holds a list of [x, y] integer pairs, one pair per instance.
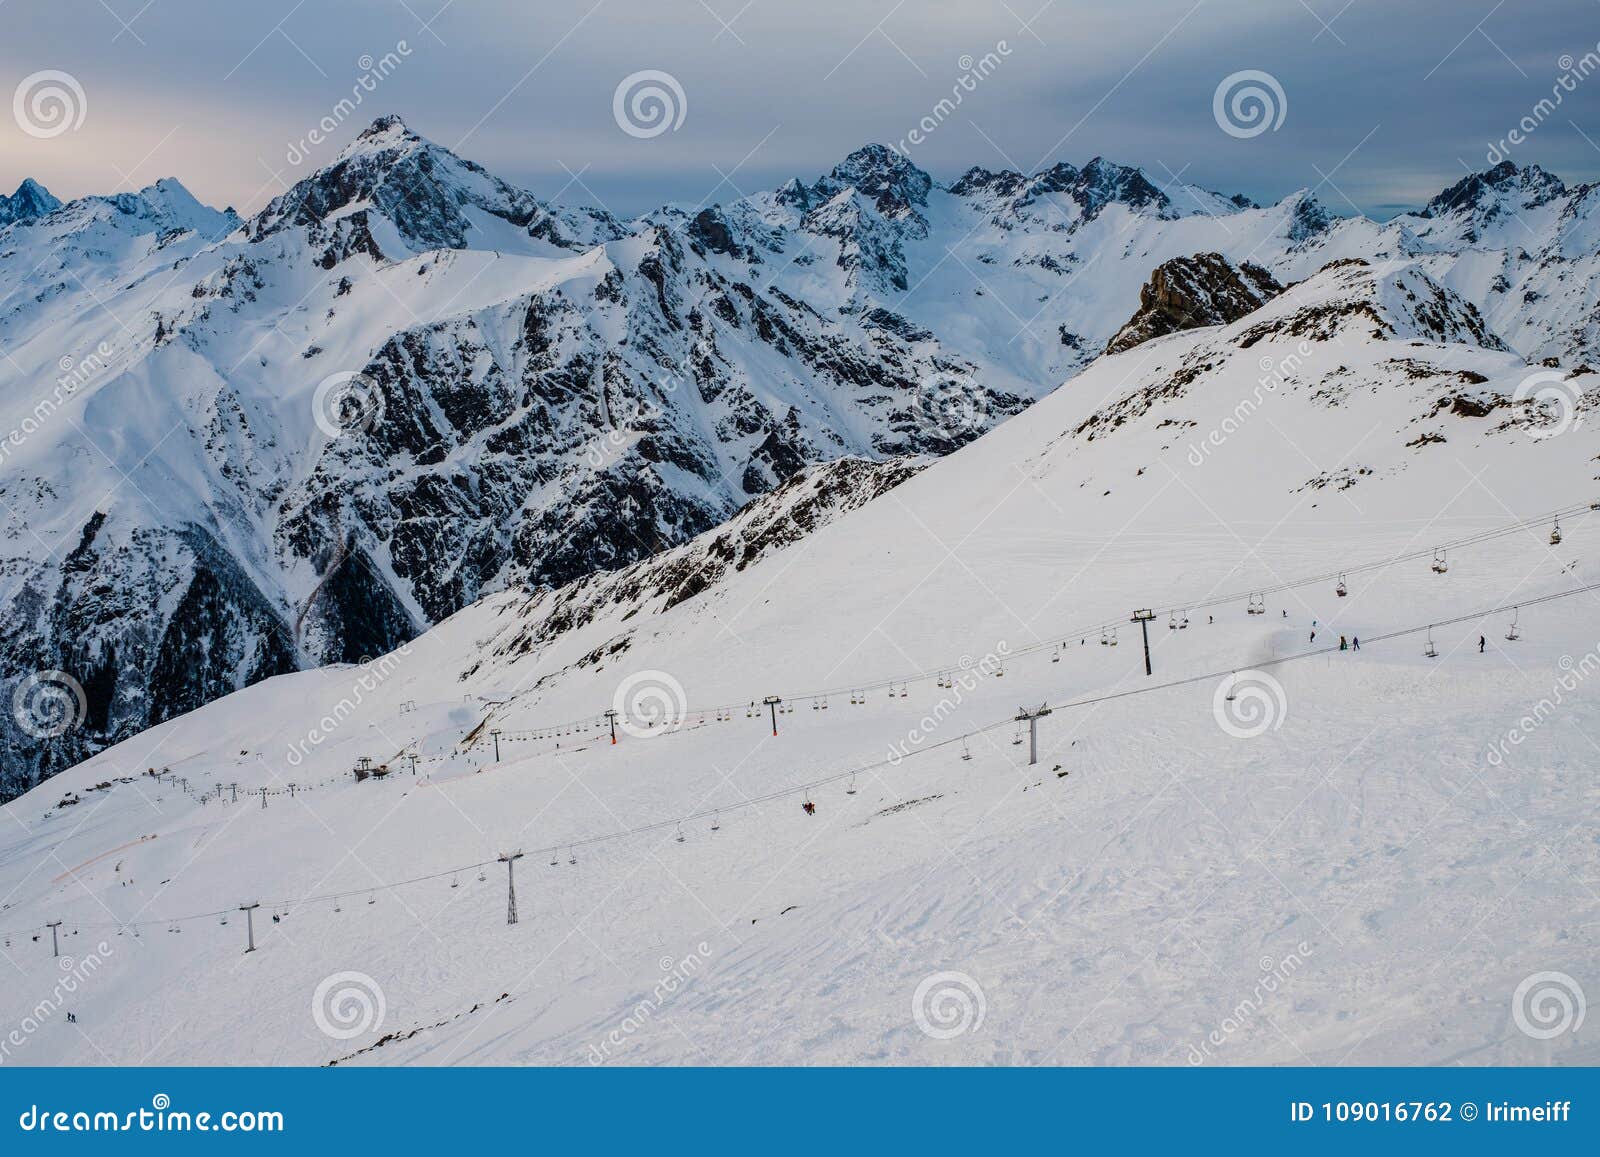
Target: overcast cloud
{"points": [[1384, 103]]}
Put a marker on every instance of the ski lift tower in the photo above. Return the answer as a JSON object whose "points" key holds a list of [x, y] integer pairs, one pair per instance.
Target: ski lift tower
{"points": [[611, 718], [772, 702], [1031, 715], [1143, 619]]}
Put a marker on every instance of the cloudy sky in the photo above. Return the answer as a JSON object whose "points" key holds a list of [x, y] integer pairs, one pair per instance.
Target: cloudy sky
{"points": [[1384, 102]]}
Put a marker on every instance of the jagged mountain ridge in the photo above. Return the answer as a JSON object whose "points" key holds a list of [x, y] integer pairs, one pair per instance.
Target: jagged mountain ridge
{"points": [[560, 392], [1347, 823]]}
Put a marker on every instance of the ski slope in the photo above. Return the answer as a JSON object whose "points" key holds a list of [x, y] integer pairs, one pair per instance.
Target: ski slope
{"points": [[1368, 880]]}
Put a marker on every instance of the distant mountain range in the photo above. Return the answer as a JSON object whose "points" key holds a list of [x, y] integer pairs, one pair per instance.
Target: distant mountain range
{"points": [[234, 448]]}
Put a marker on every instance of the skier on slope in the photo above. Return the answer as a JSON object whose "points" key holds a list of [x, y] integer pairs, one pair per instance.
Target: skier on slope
{"points": [[1481, 643], [1343, 646], [1355, 642]]}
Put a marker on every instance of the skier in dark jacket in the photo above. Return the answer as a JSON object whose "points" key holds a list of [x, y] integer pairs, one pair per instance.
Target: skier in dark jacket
{"points": [[1481, 643], [1355, 642], [1343, 645]]}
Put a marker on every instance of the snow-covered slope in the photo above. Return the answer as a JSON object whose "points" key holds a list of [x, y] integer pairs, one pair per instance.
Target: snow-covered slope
{"points": [[241, 448], [1350, 863]]}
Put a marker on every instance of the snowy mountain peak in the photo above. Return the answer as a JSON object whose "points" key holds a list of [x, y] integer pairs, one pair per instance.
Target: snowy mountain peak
{"points": [[1378, 301], [391, 193], [1306, 216], [1102, 182], [171, 208], [894, 185], [1504, 188], [31, 200], [384, 132]]}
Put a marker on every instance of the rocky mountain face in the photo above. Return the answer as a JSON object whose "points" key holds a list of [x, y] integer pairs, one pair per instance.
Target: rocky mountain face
{"points": [[31, 200], [234, 448], [1190, 292]]}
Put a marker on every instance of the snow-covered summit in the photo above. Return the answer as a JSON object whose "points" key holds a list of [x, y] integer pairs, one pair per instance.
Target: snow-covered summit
{"points": [[29, 201]]}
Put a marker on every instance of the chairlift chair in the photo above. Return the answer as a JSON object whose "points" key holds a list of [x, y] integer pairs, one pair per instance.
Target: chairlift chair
{"points": [[1113, 636], [1511, 632], [1555, 534], [1341, 590], [1440, 565], [1431, 651], [1172, 621], [1232, 679], [1183, 623], [966, 752]]}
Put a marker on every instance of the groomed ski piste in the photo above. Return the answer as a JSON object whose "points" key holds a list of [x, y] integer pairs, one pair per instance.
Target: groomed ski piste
{"points": [[1269, 851]]}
